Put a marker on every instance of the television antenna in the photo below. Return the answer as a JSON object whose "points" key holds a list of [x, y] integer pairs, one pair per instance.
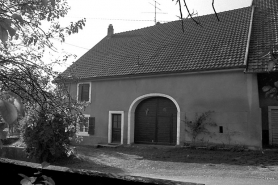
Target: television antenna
{"points": [[155, 5]]}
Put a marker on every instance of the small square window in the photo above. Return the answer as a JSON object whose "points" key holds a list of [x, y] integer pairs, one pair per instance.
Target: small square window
{"points": [[84, 125], [84, 92], [220, 129]]}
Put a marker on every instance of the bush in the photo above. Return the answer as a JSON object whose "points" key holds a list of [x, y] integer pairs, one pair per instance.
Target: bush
{"points": [[199, 125], [47, 134]]}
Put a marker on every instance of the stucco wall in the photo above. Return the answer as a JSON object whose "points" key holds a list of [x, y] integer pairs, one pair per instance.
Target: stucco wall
{"points": [[233, 96]]}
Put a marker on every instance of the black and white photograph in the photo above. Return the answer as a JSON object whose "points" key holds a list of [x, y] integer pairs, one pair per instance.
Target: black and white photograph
{"points": [[171, 92]]}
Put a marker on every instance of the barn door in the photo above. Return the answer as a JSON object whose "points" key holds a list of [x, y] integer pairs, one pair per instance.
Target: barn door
{"points": [[156, 122], [273, 126]]}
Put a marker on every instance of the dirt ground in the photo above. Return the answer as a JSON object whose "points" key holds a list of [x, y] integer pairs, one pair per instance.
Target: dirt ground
{"points": [[211, 167], [178, 163]]}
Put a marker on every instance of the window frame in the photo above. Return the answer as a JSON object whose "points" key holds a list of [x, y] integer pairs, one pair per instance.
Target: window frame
{"points": [[110, 113], [90, 90], [84, 133]]}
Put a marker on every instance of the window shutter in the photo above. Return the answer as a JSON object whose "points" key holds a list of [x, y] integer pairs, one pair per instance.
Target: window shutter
{"points": [[91, 126], [85, 92], [79, 92]]}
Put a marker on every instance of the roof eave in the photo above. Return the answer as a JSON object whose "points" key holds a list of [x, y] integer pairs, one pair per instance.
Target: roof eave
{"points": [[257, 72], [156, 74]]}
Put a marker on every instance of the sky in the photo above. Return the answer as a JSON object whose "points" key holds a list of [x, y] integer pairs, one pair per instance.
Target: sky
{"points": [[126, 15]]}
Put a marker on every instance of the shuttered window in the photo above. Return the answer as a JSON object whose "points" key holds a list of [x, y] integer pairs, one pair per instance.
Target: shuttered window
{"points": [[84, 92], [87, 126]]}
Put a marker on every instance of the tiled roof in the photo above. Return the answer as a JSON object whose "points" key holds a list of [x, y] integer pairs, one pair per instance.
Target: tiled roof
{"points": [[164, 48], [264, 34]]}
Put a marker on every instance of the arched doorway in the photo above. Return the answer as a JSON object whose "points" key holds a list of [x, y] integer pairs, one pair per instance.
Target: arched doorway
{"points": [[131, 115], [156, 121]]}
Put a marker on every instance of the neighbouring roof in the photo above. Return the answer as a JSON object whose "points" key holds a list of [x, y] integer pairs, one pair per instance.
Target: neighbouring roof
{"points": [[164, 48], [264, 34]]}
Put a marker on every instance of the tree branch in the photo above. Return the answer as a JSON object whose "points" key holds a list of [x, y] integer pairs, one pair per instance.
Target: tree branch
{"points": [[198, 23], [192, 14], [215, 11]]}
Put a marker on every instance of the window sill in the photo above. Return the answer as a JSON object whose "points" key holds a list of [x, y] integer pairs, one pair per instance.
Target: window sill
{"points": [[83, 134], [84, 101]]}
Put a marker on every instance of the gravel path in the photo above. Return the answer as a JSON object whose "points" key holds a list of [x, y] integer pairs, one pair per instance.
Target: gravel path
{"points": [[195, 165]]}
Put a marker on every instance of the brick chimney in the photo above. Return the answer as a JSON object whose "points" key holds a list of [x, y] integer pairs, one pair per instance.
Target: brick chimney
{"points": [[110, 30]]}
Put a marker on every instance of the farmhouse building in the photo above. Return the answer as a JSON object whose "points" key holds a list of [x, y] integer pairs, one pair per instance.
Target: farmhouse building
{"points": [[142, 84]]}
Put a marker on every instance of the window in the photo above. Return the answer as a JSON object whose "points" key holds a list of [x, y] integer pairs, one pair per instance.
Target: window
{"points": [[84, 92], [87, 126], [64, 87], [84, 125]]}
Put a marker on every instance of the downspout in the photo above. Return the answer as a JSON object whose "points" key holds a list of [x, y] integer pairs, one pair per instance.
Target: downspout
{"points": [[248, 40]]}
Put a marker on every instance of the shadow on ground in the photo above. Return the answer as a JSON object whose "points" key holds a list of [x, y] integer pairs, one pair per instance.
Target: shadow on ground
{"points": [[79, 161], [87, 162]]}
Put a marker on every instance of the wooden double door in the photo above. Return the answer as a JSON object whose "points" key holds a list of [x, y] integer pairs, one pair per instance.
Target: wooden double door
{"points": [[156, 122]]}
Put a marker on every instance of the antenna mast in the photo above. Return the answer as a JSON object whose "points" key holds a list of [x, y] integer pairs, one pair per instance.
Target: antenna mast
{"points": [[155, 8]]}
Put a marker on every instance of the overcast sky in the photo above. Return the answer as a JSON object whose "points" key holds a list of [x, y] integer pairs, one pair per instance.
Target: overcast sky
{"points": [[127, 15]]}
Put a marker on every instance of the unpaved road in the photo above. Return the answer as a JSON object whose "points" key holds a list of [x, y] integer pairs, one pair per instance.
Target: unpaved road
{"points": [[189, 165]]}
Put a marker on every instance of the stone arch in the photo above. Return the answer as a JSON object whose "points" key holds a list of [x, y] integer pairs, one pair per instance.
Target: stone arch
{"points": [[131, 112]]}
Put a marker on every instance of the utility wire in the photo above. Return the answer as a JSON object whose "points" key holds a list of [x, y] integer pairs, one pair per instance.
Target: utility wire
{"points": [[71, 44], [108, 19], [138, 20], [75, 46]]}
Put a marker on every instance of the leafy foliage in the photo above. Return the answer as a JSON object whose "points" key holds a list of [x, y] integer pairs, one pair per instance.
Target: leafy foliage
{"points": [[11, 109], [49, 129], [271, 90], [199, 125], [272, 54], [38, 179], [27, 29]]}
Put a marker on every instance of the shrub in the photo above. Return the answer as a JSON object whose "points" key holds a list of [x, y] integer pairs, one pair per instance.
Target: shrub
{"points": [[49, 128], [47, 135], [199, 125], [38, 178]]}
